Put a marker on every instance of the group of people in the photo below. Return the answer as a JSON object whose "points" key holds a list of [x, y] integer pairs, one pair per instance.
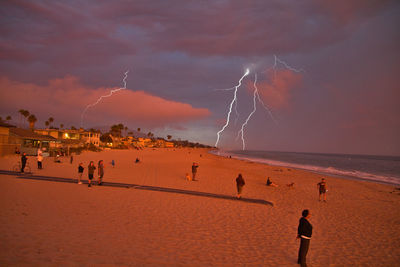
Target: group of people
{"points": [[322, 187], [91, 170], [304, 230]]}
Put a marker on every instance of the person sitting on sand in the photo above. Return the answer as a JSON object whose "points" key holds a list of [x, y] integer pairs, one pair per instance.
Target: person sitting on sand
{"points": [[322, 189], [239, 185], [137, 160], [270, 183]]}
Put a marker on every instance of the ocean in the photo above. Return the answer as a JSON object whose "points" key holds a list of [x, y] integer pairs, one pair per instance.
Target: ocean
{"points": [[381, 169]]}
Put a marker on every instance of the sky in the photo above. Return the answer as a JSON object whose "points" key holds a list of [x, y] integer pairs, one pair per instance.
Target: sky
{"points": [[323, 75]]}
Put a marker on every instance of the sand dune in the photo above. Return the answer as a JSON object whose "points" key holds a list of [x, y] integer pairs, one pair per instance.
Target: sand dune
{"points": [[61, 223]]}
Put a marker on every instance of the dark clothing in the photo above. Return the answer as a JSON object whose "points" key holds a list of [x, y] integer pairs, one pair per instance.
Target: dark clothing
{"points": [[304, 245], [239, 184], [194, 171], [269, 182], [100, 171], [23, 162], [305, 228], [240, 181], [322, 187], [91, 169], [304, 231], [194, 168], [80, 169]]}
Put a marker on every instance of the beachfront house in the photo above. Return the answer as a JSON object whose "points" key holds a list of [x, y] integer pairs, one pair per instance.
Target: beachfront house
{"points": [[73, 138], [23, 140], [7, 143]]}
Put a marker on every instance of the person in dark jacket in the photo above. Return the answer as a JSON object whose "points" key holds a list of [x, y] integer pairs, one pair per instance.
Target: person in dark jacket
{"points": [[239, 185], [304, 232], [91, 169], [23, 161], [80, 172]]}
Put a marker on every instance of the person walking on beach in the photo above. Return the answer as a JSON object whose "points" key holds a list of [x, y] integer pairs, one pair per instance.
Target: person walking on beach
{"points": [[23, 161], [100, 171], [91, 169], [113, 163], [322, 189], [39, 159], [194, 170], [239, 185], [80, 172], [304, 232]]}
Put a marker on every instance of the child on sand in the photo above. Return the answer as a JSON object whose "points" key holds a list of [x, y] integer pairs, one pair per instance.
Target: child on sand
{"points": [[239, 185], [188, 177], [91, 169], [80, 172]]}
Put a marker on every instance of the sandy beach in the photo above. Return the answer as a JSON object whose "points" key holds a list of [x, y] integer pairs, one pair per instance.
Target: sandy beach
{"points": [[160, 221]]}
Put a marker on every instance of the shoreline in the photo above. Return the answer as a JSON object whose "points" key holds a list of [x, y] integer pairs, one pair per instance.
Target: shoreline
{"points": [[283, 165]]}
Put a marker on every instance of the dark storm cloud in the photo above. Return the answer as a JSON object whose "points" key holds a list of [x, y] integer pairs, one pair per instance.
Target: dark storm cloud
{"points": [[181, 51]]}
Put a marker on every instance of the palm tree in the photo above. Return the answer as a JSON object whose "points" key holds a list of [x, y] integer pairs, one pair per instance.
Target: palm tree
{"points": [[169, 137], [126, 129], [73, 128], [47, 123], [32, 119], [24, 113], [138, 129], [61, 125], [21, 111], [51, 119]]}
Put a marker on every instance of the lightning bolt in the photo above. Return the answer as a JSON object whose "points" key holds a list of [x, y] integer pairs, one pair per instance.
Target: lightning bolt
{"points": [[105, 96], [234, 100], [255, 95], [275, 65]]}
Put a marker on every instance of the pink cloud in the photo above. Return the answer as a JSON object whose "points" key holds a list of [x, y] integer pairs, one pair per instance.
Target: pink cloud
{"points": [[65, 99], [276, 91]]}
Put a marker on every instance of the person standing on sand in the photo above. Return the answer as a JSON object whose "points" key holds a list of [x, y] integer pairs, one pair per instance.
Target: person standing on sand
{"points": [[194, 170], [91, 169], [39, 159], [80, 172], [23, 161], [239, 185], [322, 189], [100, 171], [113, 163], [304, 232]]}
